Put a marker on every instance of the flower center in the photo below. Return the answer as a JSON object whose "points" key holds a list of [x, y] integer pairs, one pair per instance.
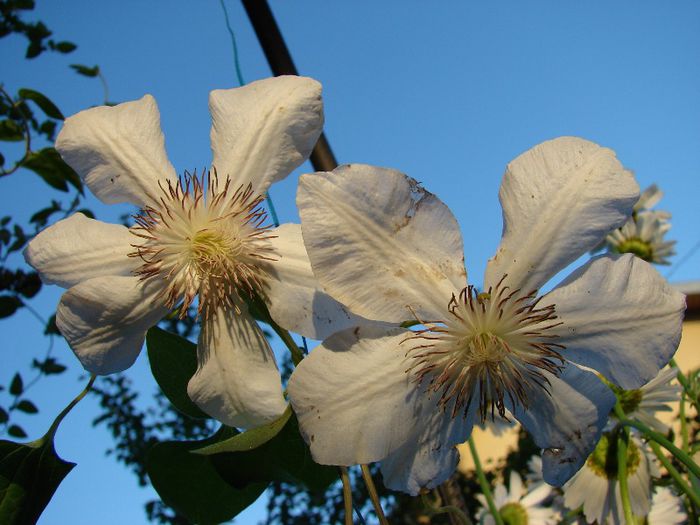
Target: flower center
{"points": [[513, 514], [203, 239], [492, 346], [603, 460], [638, 247]]}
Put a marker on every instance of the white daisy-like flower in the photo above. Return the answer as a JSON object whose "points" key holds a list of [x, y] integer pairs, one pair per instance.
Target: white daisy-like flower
{"points": [[644, 403], [517, 505], [391, 251], [666, 508], [644, 232], [196, 236], [596, 488]]}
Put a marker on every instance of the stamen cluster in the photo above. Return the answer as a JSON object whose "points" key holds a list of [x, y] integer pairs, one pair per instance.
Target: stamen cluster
{"points": [[491, 346], [203, 238]]}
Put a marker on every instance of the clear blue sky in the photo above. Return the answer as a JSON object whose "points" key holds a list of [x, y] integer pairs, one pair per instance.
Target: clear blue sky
{"points": [[448, 92]]}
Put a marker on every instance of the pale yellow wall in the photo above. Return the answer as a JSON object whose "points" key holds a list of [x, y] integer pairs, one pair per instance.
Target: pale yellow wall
{"points": [[492, 448]]}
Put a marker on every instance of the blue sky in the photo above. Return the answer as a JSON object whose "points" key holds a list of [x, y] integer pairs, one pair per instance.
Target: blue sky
{"points": [[447, 92]]}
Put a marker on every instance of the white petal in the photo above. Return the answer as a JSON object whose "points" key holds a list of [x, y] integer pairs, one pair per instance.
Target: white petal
{"points": [[380, 243], [78, 248], [620, 317], [568, 421], [237, 381], [262, 131], [118, 151], [559, 200], [356, 404], [105, 320], [293, 296]]}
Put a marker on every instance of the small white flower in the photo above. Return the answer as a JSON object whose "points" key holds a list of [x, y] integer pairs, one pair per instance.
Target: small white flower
{"points": [[596, 486], [518, 506], [391, 251], [666, 508], [196, 236], [643, 403], [643, 233]]}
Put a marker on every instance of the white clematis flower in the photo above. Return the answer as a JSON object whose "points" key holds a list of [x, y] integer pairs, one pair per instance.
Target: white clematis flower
{"points": [[196, 236], [392, 252]]}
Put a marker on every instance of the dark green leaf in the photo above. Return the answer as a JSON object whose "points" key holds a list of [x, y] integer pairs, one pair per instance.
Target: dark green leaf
{"points": [[173, 361], [4, 416], [5, 220], [8, 305], [85, 70], [190, 484], [34, 49], [17, 385], [29, 476], [27, 407], [42, 216], [5, 236], [41, 100], [51, 327], [65, 47], [2, 160], [10, 131], [16, 431], [20, 239], [49, 366], [286, 457], [49, 165], [249, 439]]}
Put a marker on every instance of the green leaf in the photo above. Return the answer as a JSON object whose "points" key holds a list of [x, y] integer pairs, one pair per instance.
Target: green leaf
{"points": [[190, 484], [27, 407], [10, 131], [85, 70], [17, 385], [41, 100], [249, 439], [286, 457], [51, 328], [29, 476], [49, 366], [65, 47], [8, 305], [49, 165], [17, 431], [4, 416], [173, 361]]}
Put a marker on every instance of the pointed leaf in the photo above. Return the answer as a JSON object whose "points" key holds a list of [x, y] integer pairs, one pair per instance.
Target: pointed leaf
{"points": [[8, 305], [190, 484], [4, 416], [49, 165], [17, 431], [29, 476], [173, 361], [85, 70], [10, 131], [17, 386], [27, 407], [249, 439], [41, 100]]}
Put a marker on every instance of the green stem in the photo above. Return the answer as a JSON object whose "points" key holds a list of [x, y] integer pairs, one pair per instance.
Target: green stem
{"points": [[54, 426], [681, 376], [661, 440], [484, 484], [455, 512], [694, 496], [347, 494], [622, 439], [371, 489], [685, 446], [283, 334]]}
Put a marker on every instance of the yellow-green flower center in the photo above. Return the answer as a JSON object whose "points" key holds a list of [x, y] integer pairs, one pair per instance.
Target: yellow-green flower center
{"points": [[603, 460], [513, 514], [638, 247]]}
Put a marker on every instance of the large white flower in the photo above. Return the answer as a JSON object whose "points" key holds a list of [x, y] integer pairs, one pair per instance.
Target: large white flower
{"points": [[392, 252], [596, 487], [195, 236], [517, 505]]}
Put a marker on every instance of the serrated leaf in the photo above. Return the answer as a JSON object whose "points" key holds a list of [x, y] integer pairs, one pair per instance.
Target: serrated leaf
{"points": [[17, 385], [190, 484], [27, 407], [10, 131], [85, 70], [250, 439], [41, 100], [17, 431], [8, 305], [173, 361], [49, 165], [286, 457], [29, 476]]}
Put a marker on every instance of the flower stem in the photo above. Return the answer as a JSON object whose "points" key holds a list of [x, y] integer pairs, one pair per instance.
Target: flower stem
{"points": [[622, 439], [660, 439], [454, 512], [371, 489], [694, 496], [297, 355], [484, 484], [680, 375], [684, 424], [347, 494], [54, 426]]}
